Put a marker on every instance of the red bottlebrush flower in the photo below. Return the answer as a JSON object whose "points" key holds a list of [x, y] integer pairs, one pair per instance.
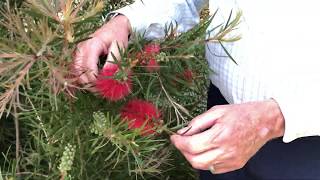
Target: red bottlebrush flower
{"points": [[152, 66], [140, 113], [188, 75], [110, 88], [152, 49]]}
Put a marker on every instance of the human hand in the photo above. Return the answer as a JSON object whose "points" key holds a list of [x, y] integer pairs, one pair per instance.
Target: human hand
{"points": [[226, 137], [104, 41]]}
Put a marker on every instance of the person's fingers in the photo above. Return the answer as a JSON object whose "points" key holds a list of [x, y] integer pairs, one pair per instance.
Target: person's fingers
{"points": [[86, 59], [96, 49], [223, 167], [223, 158], [114, 54], [200, 142], [91, 70], [203, 121], [78, 59], [204, 160]]}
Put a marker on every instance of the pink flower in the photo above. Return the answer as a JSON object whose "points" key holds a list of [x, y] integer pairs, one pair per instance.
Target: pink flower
{"points": [[140, 113], [152, 66], [152, 49], [110, 88]]}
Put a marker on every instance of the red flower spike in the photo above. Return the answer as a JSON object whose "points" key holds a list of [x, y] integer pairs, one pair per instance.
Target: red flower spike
{"points": [[152, 49], [141, 114], [110, 88], [188, 75], [152, 66]]}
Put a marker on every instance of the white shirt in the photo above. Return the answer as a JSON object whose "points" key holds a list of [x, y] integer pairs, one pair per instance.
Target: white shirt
{"points": [[277, 56]]}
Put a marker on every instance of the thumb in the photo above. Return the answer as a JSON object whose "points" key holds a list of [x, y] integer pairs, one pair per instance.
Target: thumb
{"points": [[114, 54], [203, 121]]}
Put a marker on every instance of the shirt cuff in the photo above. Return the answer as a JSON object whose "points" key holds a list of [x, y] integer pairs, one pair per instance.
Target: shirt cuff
{"points": [[133, 15], [300, 111], [151, 18]]}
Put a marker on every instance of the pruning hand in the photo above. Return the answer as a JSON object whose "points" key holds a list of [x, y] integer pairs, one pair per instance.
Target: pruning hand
{"points": [[104, 41], [224, 138]]}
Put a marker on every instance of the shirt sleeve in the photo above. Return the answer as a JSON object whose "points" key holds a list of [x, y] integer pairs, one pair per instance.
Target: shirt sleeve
{"points": [[299, 104], [151, 17]]}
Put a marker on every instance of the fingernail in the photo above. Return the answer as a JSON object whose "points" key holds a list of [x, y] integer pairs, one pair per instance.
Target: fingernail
{"points": [[181, 131]]}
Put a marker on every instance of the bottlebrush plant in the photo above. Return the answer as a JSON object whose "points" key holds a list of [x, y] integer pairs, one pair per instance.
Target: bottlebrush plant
{"points": [[53, 128]]}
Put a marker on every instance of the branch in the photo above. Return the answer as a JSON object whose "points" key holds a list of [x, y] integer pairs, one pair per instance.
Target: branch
{"points": [[175, 105], [9, 94], [16, 124]]}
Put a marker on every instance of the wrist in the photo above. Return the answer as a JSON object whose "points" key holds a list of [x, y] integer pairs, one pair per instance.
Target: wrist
{"points": [[117, 29], [124, 22], [119, 24], [277, 119]]}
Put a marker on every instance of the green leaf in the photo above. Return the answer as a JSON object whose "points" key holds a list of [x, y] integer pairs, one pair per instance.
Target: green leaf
{"points": [[226, 51]]}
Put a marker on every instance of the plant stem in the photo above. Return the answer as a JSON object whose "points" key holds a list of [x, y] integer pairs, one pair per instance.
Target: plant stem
{"points": [[16, 123]]}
